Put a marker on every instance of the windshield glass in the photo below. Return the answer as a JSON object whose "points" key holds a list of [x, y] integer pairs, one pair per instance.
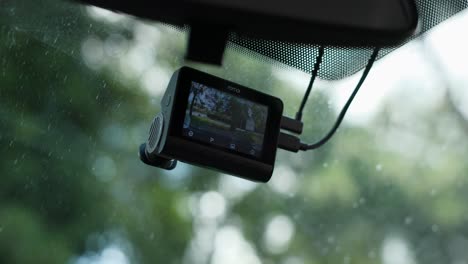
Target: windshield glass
{"points": [[80, 85]]}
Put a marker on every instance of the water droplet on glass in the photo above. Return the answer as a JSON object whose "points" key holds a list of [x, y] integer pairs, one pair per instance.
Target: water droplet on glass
{"points": [[324, 251], [378, 167], [347, 260], [338, 249], [297, 216], [408, 220]]}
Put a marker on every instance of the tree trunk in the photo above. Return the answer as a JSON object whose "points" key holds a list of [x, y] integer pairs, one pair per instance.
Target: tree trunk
{"points": [[192, 103]]}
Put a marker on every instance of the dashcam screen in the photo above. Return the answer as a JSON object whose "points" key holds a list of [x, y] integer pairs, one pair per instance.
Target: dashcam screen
{"points": [[222, 119]]}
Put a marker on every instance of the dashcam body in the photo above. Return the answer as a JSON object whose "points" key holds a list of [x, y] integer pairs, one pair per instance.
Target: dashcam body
{"points": [[211, 122]]}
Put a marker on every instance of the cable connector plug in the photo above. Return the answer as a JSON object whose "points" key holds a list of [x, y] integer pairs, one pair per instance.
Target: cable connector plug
{"points": [[289, 142], [292, 125]]}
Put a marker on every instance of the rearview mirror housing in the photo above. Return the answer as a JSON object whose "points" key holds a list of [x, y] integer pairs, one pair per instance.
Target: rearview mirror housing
{"points": [[330, 22]]}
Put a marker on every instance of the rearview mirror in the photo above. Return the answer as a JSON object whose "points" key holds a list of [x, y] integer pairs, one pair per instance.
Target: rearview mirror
{"points": [[323, 22]]}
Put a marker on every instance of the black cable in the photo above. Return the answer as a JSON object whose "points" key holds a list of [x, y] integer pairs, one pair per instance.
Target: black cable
{"points": [[346, 106], [315, 70]]}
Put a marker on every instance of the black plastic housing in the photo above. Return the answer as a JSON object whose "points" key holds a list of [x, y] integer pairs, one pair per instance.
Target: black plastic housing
{"points": [[173, 145], [331, 22]]}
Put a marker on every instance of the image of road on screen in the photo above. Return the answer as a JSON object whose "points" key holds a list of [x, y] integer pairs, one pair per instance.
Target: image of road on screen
{"points": [[223, 119]]}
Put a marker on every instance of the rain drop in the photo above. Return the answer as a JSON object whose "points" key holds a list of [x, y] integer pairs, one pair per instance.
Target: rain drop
{"points": [[362, 200], [347, 260], [408, 220], [378, 167]]}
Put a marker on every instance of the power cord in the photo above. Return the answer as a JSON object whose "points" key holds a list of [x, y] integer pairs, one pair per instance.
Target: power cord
{"points": [[315, 70], [338, 121], [293, 143]]}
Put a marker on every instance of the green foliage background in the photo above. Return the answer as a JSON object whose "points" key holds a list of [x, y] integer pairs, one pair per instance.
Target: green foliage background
{"points": [[71, 183]]}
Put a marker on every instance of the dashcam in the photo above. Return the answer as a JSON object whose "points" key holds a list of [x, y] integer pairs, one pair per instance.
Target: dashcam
{"points": [[211, 122]]}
